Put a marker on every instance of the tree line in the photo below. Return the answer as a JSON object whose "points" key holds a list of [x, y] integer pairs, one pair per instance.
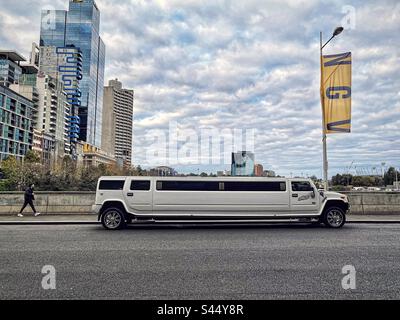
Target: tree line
{"points": [[66, 175], [366, 181]]}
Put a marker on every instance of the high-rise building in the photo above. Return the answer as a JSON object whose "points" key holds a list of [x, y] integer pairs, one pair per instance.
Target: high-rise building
{"points": [[50, 110], [10, 67], [118, 122], [79, 27], [16, 132], [54, 111], [65, 64], [243, 163]]}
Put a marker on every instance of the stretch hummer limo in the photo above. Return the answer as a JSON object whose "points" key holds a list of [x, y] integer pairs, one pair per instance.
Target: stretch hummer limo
{"points": [[124, 200]]}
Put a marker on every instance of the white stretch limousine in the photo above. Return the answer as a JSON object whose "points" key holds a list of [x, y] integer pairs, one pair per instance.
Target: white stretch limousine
{"points": [[122, 200]]}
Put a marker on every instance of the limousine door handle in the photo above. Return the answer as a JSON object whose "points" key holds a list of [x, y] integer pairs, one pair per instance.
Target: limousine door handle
{"points": [[295, 195], [130, 194]]}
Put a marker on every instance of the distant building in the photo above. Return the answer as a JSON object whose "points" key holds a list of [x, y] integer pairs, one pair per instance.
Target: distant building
{"points": [[258, 170], [163, 171], [242, 163], [94, 156], [269, 173], [43, 145], [118, 121], [223, 173], [16, 132]]}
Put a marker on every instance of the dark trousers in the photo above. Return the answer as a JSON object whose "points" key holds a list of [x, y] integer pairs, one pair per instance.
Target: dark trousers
{"points": [[30, 202]]}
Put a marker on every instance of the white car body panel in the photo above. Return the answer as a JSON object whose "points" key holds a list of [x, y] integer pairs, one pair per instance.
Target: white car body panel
{"points": [[154, 203]]}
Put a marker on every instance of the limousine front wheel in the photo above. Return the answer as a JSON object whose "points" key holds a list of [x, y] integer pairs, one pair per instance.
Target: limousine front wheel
{"points": [[113, 219], [334, 217]]}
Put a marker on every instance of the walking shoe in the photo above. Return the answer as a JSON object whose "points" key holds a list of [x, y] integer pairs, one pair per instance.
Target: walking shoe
{"points": [[37, 214], [20, 215]]}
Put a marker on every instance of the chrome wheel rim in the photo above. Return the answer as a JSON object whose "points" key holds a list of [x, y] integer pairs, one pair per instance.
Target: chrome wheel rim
{"points": [[335, 218], [112, 219]]}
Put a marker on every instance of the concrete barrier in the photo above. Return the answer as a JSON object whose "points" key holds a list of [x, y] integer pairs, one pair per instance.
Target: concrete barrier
{"points": [[375, 202], [367, 203], [49, 202]]}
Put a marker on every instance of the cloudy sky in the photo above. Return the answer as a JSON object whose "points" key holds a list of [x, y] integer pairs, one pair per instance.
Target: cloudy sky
{"points": [[246, 65]]}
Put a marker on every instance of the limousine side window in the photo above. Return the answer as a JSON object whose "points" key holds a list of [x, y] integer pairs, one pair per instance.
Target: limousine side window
{"points": [[301, 186], [188, 185], [111, 185], [254, 186], [141, 185]]}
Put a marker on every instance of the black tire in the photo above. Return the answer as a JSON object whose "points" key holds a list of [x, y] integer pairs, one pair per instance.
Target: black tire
{"points": [[334, 217], [113, 219]]}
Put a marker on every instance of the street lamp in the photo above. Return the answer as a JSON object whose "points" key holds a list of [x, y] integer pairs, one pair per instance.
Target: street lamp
{"points": [[336, 32]]}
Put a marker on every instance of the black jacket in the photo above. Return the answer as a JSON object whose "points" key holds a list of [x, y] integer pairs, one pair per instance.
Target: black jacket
{"points": [[29, 194]]}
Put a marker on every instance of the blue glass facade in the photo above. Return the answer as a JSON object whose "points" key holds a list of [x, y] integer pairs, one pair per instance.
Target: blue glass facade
{"points": [[71, 74], [80, 26]]}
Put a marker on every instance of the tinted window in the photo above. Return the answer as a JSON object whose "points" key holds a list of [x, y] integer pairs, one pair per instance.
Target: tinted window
{"points": [[301, 186], [188, 185], [140, 185], [111, 185], [255, 186]]}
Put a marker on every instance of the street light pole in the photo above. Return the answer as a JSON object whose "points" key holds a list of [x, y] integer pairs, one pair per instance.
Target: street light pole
{"points": [[337, 31], [325, 153]]}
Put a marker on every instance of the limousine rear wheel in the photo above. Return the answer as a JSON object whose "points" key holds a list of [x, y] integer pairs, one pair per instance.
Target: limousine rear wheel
{"points": [[334, 217], [113, 219]]}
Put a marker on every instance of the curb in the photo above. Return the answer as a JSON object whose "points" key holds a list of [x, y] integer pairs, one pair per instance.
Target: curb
{"points": [[49, 222], [11, 223], [375, 222]]}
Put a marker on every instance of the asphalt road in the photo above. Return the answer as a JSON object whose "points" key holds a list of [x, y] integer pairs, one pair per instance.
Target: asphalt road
{"points": [[269, 262]]}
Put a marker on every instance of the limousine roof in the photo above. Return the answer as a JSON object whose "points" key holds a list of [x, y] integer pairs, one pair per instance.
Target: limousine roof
{"points": [[176, 178]]}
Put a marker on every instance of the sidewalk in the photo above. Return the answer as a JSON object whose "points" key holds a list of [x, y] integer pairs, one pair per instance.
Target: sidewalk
{"points": [[92, 219], [50, 219]]}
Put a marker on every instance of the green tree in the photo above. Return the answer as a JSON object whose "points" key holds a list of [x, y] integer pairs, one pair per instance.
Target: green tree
{"points": [[390, 176], [32, 157], [12, 172]]}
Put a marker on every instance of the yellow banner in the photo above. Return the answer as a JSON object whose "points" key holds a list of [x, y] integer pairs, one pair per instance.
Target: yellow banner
{"points": [[336, 92]]}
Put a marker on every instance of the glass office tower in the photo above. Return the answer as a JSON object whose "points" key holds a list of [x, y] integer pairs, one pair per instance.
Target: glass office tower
{"points": [[80, 27]]}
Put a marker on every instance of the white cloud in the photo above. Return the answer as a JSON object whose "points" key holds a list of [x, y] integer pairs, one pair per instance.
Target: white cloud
{"points": [[247, 64]]}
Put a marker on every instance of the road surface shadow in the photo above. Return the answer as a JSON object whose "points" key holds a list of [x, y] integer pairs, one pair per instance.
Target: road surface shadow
{"points": [[188, 226]]}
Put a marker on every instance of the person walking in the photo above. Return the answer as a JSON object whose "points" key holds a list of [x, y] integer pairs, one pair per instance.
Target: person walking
{"points": [[29, 197]]}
